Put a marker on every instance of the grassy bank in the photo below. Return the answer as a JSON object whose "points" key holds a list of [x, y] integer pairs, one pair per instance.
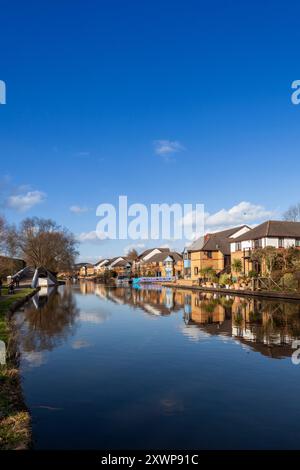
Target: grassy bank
{"points": [[14, 418]]}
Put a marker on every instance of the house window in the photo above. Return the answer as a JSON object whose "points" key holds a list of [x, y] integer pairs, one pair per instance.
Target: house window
{"points": [[238, 246], [297, 242], [209, 254], [258, 243], [280, 242], [196, 270]]}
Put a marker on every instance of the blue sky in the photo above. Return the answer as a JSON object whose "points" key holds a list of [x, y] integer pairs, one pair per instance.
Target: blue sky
{"points": [[163, 101]]}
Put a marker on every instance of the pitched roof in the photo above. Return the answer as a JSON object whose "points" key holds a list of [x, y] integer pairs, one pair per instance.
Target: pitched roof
{"points": [[162, 256], [112, 260], [146, 252], [82, 265], [197, 244], [218, 241], [102, 262], [122, 262], [272, 228]]}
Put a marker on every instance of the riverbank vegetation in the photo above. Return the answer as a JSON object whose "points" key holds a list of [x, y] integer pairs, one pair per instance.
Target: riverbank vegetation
{"points": [[14, 418], [35, 242]]}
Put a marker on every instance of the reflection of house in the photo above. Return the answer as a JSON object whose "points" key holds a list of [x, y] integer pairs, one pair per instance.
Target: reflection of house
{"points": [[213, 251], [278, 234], [154, 300], [206, 310], [267, 327]]}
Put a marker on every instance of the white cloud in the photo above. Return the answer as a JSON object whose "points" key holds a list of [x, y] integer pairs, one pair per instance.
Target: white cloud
{"points": [[133, 246], [79, 209], [92, 237], [167, 147], [244, 213], [194, 333], [34, 358], [25, 201], [94, 317]]}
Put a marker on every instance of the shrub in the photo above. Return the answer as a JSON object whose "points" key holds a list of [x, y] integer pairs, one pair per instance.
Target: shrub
{"points": [[209, 273], [288, 281], [237, 265], [252, 274], [225, 279]]}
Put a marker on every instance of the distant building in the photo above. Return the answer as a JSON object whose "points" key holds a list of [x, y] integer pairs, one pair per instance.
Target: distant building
{"points": [[101, 266], [119, 264], [85, 269], [142, 264], [162, 264]]}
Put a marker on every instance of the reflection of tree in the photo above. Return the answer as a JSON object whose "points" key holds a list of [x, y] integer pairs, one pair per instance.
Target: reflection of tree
{"points": [[51, 323], [210, 305]]}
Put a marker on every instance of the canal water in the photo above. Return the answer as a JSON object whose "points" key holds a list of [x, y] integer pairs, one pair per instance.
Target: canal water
{"points": [[157, 368]]}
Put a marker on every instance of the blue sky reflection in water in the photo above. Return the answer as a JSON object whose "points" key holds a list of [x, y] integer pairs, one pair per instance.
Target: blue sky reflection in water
{"points": [[156, 368]]}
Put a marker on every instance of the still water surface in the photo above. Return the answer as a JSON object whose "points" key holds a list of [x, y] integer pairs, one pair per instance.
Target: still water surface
{"points": [[157, 368]]}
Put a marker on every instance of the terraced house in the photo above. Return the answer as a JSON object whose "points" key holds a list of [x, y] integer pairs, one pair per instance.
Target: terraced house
{"points": [[119, 264], [101, 266], [159, 262], [141, 264], [278, 234], [213, 251]]}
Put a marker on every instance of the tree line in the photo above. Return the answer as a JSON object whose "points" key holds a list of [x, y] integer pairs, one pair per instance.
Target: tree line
{"points": [[37, 241]]}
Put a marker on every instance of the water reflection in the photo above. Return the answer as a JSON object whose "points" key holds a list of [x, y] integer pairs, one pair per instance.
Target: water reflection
{"points": [[100, 363], [267, 326], [48, 320]]}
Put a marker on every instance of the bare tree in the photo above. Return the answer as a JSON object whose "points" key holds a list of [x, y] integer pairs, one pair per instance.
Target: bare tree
{"points": [[132, 254], [44, 243], [11, 241], [293, 213], [2, 233], [8, 264]]}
